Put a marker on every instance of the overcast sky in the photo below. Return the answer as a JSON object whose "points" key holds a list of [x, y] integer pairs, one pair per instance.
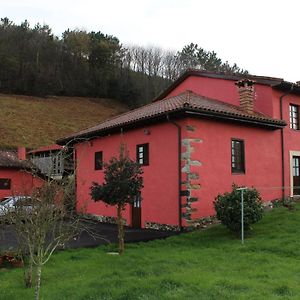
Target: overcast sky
{"points": [[261, 36]]}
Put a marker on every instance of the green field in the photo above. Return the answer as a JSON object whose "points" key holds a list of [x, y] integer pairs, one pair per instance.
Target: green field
{"points": [[36, 121], [209, 264]]}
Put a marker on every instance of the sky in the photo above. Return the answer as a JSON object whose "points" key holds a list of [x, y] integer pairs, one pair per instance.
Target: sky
{"points": [[261, 36]]}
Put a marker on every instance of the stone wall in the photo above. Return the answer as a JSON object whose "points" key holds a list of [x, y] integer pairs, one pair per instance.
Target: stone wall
{"points": [[190, 173], [158, 226], [103, 219]]}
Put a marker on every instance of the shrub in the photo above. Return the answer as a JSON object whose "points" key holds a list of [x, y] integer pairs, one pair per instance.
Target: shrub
{"points": [[287, 202], [228, 208]]}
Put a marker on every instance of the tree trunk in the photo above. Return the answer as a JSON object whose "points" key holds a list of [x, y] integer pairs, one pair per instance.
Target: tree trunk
{"points": [[38, 282], [28, 274], [120, 230]]}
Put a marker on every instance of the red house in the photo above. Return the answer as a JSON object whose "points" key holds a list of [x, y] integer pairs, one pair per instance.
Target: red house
{"points": [[16, 177], [204, 133]]}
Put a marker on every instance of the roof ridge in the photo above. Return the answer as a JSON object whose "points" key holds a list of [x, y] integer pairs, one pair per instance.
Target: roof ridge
{"points": [[233, 74]]}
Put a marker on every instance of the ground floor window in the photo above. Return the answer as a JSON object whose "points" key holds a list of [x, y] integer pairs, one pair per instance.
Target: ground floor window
{"points": [[5, 183], [296, 175], [98, 160]]}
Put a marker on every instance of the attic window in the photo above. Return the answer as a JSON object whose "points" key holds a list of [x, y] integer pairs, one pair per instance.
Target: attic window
{"points": [[5, 183]]}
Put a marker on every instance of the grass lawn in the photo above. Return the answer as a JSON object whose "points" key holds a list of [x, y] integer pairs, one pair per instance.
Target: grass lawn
{"points": [[209, 264]]}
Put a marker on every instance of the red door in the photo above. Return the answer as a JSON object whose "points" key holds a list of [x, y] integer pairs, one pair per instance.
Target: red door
{"points": [[137, 212]]}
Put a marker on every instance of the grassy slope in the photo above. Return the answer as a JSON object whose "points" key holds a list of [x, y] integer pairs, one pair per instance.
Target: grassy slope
{"points": [[211, 264], [34, 121]]}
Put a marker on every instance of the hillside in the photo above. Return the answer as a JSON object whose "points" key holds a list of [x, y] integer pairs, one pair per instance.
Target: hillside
{"points": [[35, 121]]}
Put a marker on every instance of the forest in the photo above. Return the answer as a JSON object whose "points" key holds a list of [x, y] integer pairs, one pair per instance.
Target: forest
{"points": [[34, 61]]}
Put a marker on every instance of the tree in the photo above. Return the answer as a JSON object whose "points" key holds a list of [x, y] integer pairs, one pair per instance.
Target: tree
{"points": [[122, 183], [193, 56], [41, 227]]}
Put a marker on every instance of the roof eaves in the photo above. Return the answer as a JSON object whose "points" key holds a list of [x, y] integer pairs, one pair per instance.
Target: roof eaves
{"points": [[91, 134], [254, 120]]}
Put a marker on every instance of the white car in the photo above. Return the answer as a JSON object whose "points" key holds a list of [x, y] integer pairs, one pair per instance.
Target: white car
{"points": [[9, 204]]}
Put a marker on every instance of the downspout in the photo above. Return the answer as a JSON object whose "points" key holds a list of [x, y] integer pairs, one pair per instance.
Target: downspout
{"points": [[282, 139], [179, 169]]}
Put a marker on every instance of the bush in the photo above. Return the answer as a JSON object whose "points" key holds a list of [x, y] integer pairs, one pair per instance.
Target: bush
{"points": [[287, 202], [228, 208]]}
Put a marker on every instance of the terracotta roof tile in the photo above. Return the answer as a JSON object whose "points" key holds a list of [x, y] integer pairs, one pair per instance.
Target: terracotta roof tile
{"points": [[187, 101], [9, 159]]}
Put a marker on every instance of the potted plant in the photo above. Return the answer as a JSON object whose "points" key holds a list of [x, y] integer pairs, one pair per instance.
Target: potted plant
{"points": [[17, 262], [14, 259]]}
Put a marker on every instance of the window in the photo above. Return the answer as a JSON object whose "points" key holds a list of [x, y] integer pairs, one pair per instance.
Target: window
{"points": [[237, 156], [98, 160], [294, 117], [5, 183], [142, 154], [137, 201]]}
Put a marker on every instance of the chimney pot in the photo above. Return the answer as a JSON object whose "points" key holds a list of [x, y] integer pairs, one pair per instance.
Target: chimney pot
{"points": [[21, 153], [246, 93]]}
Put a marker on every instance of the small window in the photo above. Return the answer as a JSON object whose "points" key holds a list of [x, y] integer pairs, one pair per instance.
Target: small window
{"points": [[137, 201], [142, 154], [98, 160], [5, 183], [294, 117], [237, 156]]}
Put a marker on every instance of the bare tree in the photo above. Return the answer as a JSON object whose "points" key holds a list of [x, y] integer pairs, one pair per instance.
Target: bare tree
{"points": [[42, 224], [44, 221]]}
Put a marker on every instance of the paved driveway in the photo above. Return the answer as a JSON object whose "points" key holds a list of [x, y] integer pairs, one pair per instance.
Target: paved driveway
{"points": [[108, 233]]}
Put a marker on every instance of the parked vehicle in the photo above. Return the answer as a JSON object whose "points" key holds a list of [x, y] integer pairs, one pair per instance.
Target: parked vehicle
{"points": [[11, 203]]}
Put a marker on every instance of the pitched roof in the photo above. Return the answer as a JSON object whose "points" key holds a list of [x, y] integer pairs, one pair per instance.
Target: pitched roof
{"points": [[187, 102], [9, 159], [277, 83]]}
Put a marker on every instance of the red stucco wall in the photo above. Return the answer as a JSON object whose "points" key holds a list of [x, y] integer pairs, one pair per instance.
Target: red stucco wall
{"points": [[291, 136], [262, 161], [160, 193], [226, 91], [22, 182]]}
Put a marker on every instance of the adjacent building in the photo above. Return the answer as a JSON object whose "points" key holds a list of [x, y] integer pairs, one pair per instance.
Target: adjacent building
{"points": [[53, 161], [16, 174]]}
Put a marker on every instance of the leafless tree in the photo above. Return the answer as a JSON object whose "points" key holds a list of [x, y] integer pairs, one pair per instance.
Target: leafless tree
{"points": [[45, 221], [42, 224]]}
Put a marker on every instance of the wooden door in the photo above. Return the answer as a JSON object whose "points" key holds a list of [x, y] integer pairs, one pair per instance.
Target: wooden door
{"points": [[296, 175], [137, 212]]}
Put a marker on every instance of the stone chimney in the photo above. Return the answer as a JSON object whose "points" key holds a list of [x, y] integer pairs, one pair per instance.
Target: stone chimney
{"points": [[246, 92], [21, 153]]}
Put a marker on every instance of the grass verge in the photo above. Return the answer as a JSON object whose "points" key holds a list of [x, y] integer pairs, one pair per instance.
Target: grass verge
{"points": [[210, 264]]}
